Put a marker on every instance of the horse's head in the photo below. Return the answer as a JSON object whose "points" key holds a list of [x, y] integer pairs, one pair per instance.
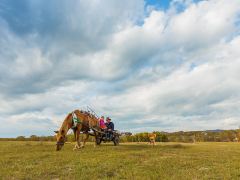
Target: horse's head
{"points": [[60, 135]]}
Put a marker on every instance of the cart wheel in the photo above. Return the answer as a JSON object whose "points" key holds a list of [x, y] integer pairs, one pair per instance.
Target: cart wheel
{"points": [[98, 140], [116, 141]]}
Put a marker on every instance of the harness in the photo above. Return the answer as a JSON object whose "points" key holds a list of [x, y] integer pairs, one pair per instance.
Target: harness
{"points": [[75, 120]]}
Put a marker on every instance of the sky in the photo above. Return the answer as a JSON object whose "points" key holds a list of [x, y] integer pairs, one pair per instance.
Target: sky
{"points": [[152, 65]]}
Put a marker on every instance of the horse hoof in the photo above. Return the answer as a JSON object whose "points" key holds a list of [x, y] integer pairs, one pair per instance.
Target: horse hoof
{"points": [[76, 148]]}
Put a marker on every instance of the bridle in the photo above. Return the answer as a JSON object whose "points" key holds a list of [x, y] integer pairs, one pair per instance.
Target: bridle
{"points": [[60, 143]]}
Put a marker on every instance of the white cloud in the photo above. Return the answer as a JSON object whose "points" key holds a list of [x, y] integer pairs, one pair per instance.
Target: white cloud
{"points": [[178, 70], [204, 23]]}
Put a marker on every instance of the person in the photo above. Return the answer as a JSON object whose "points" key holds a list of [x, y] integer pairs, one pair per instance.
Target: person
{"points": [[110, 128], [102, 123]]}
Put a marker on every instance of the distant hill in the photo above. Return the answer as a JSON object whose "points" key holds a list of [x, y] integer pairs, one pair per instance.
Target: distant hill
{"points": [[215, 130]]}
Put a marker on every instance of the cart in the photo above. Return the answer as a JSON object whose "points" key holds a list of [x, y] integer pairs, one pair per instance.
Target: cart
{"points": [[103, 136]]}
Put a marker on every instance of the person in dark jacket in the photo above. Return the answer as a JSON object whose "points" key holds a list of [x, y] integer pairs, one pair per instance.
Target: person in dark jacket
{"points": [[110, 128]]}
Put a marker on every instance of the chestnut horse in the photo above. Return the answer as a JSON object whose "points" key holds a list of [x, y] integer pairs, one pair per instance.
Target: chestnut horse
{"points": [[87, 121]]}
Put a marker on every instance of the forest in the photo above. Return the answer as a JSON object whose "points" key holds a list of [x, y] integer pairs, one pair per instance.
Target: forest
{"points": [[180, 136]]}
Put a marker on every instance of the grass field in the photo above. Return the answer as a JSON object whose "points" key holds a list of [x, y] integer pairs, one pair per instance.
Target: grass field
{"points": [[39, 160]]}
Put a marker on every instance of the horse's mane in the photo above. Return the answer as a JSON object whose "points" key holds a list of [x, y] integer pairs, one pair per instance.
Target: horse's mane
{"points": [[65, 124], [68, 116], [89, 114]]}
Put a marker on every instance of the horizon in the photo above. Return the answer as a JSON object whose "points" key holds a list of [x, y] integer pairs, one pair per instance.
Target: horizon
{"points": [[148, 64], [70, 132]]}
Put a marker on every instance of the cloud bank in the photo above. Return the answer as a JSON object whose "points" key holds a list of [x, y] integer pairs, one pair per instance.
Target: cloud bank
{"points": [[149, 68]]}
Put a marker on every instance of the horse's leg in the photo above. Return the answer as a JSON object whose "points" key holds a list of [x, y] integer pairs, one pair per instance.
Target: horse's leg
{"points": [[77, 137], [153, 142], [74, 133], [85, 139], [96, 138]]}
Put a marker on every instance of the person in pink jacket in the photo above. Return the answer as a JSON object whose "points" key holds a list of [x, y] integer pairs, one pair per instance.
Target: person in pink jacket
{"points": [[102, 123]]}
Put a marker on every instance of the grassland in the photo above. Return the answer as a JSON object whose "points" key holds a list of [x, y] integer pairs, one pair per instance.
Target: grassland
{"points": [[39, 160]]}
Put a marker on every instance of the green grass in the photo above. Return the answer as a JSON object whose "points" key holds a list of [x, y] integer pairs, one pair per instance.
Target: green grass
{"points": [[39, 160]]}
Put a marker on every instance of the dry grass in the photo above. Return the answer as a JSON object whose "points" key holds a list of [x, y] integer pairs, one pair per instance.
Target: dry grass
{"points": [[36, 160]]}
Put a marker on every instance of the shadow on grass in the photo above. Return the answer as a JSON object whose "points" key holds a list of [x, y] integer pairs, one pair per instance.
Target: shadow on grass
{"points": [[159, 147], [111, 147], [142, 146], [146, 146], [177, 146]]}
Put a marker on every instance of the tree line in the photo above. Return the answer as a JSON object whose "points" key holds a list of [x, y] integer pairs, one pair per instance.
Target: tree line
{"points": [[205, 136], [181, 136]]}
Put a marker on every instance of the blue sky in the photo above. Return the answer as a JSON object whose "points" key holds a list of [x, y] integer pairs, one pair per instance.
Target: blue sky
{"points": [[150, 65], [159, 4]]}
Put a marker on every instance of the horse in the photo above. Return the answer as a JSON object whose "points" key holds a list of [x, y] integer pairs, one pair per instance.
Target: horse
{"points": [[87, 121], [152, 138]]}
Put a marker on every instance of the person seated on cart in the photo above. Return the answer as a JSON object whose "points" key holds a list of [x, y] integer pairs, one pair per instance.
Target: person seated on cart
{"points": [[102, 123], [110, 128]]}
